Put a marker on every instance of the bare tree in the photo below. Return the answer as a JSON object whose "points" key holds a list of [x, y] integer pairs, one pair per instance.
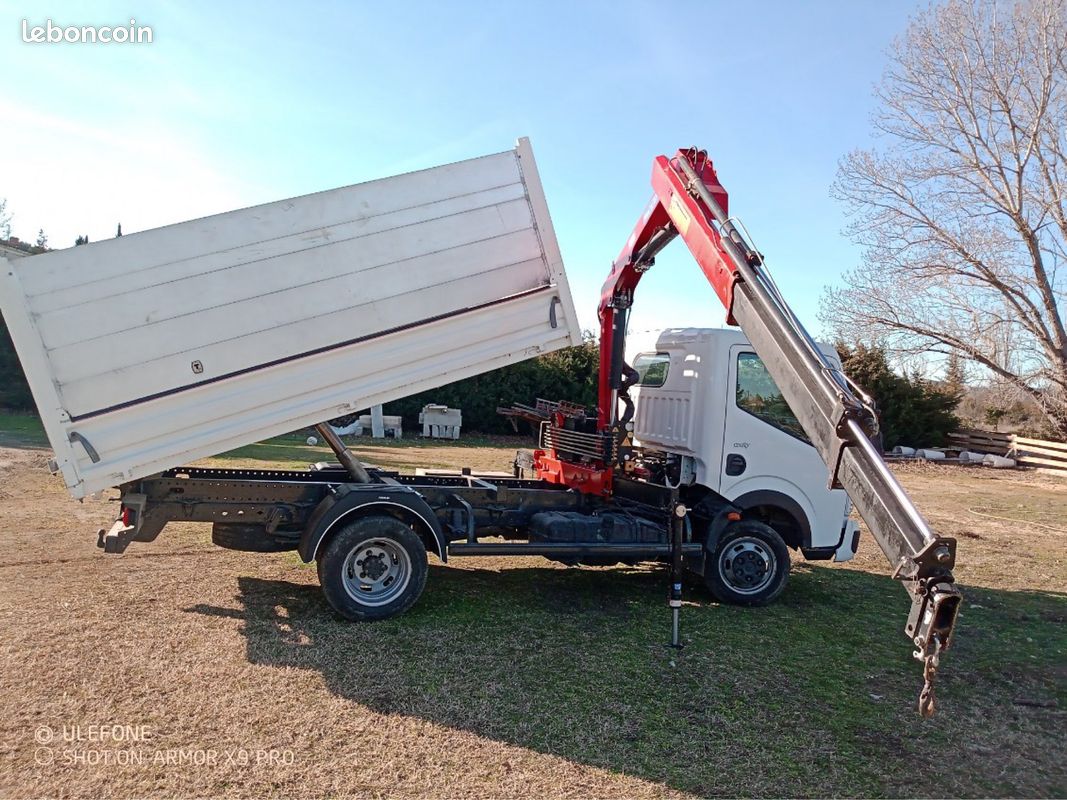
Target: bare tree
{"points": [[5, 219], [962, 212]]}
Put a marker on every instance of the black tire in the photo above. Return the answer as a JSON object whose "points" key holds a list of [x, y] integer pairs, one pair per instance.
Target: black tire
{"points": [[750, 566], [373, 568]]}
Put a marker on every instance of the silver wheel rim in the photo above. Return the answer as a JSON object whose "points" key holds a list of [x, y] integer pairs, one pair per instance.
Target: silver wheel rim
{"points": [[747, 565], [376, 572]]}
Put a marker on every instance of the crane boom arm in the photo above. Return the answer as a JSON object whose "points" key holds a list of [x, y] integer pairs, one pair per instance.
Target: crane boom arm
{"points": [[689, 202]]}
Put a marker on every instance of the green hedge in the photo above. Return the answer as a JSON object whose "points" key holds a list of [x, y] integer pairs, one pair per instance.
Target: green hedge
{"points": [[14, 391], [568, 374], [913, 411]]}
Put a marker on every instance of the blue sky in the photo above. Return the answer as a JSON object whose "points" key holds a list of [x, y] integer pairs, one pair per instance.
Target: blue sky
{"points": [[240, 103]]}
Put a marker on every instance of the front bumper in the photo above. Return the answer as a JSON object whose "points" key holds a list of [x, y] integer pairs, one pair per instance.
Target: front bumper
{"points": [[850, 539]]}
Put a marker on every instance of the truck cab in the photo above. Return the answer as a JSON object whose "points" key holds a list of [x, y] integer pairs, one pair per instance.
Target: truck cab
{"points": [[706, 403]]}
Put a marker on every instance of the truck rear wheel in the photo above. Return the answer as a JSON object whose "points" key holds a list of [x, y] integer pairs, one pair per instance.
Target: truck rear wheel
{"points": [[373, 568], [750, 566]]}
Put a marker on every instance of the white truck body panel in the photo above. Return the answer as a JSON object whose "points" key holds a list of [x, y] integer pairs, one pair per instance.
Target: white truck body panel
{"points": [[695, 413], [182, 342]]}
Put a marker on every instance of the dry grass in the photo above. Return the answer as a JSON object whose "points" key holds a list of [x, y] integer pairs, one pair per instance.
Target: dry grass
{"points": [[514, 677], [1011, 525]]}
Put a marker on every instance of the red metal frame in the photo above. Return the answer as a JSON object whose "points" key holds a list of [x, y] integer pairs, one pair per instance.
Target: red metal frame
{"points": [[677, 215], [584, 478], [674, 210]]}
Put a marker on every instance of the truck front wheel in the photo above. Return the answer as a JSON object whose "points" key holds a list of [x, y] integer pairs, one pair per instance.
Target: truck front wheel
{"points": [[373, 568], [750, 565]]}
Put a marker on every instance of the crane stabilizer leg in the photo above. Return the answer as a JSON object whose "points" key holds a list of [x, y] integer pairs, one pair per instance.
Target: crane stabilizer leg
{"points": [[839, 424], [674, 596]]}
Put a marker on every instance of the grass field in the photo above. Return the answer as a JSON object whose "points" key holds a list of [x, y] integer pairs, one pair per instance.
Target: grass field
{"points": [[21, 430], [518, 677]]}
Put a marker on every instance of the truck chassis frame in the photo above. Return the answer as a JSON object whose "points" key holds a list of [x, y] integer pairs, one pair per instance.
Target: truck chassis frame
{"points": [[297, 509]]}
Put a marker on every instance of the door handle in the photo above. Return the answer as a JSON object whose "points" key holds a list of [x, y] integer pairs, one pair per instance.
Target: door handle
{"points": [[552, 312], [74, 436], [735, 464]]}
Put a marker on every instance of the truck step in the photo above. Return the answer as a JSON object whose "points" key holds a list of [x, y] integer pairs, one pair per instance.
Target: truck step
{"points": [[636, 550]]}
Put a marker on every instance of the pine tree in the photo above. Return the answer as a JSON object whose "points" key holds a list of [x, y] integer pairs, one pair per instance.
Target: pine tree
{"points": [[42, 239], [912, 411], [956, 375]]}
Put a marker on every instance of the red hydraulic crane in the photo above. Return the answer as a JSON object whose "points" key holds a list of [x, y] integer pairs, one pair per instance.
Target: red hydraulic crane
{"points": [[588, 454]]}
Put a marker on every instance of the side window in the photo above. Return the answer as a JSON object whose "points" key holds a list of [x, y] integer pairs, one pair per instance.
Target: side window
{"points": [[652, 367], [759, 396]]}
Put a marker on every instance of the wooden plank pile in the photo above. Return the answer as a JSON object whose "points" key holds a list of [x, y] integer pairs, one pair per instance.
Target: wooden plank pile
{"points": [[1040, 454]]}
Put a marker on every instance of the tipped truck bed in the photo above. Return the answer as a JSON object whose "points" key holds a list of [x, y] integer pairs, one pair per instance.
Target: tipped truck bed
{"points": [[173, 344]]}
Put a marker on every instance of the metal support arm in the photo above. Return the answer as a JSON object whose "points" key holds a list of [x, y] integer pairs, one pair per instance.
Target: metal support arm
{"points": [[344, 455]]}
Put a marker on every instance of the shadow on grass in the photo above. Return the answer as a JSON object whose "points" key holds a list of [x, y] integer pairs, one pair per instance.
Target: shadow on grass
{"points": [[812, 696]]}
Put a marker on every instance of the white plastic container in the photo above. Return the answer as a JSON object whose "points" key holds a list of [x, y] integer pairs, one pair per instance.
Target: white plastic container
{"points": [[998, 462]]}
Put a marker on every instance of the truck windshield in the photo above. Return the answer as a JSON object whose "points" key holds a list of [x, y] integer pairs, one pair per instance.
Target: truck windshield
{"points": [[759, 396]]}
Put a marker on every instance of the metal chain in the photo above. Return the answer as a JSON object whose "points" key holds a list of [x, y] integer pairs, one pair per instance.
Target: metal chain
{"points": [[930, 662]]}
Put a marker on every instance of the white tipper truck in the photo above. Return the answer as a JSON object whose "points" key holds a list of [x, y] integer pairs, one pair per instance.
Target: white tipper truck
{"points": [[152, 350]]}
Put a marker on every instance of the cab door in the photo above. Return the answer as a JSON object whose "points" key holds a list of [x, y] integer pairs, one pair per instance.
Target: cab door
{"points": [[766, 450]]}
